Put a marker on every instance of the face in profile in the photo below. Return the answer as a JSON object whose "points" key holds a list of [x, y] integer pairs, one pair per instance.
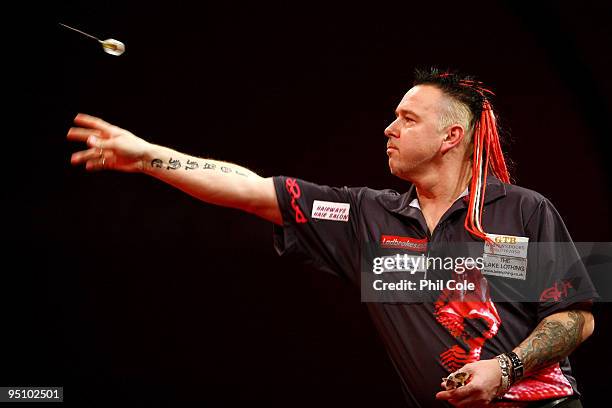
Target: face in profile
{"points": [[415, 137]]}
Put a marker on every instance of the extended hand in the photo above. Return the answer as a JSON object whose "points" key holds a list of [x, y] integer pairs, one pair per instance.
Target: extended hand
{"points": [[482, 388], [110, 147]]}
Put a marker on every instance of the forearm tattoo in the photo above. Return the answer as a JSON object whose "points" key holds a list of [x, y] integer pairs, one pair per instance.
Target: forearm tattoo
{"points": [[551, 341], [173, 164], [193, 165]]}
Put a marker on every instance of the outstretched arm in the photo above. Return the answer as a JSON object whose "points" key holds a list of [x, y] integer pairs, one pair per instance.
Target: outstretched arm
{"points": [[215, 182]]}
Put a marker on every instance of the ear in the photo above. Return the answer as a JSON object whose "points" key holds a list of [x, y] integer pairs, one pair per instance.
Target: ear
{"points": [[454, 136]]}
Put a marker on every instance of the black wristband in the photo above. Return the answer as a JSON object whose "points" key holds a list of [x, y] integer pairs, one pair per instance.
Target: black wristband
{"points": [[517, 366]]}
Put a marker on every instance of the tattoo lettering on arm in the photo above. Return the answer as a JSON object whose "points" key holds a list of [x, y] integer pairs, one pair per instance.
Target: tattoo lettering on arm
{"points": [[191, 165], [173, 164], [552, 340]]}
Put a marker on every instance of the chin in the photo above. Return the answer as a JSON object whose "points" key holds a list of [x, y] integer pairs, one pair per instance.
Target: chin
{"points": [[395, 172], [399, 173]]}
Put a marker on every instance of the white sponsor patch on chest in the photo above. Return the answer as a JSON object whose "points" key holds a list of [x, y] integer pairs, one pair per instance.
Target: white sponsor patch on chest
{"points": [[507, 257], [328, 210]]}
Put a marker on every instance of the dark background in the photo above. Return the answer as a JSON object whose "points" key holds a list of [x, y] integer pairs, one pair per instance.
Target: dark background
{"points": [[122, 289]]}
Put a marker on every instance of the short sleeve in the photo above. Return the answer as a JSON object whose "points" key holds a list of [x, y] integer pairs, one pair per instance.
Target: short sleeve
{"points": [[319, 225], [562, 279]]}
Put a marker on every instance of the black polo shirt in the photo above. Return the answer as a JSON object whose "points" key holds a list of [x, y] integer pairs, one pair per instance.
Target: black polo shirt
{"points": [[343, 230]]}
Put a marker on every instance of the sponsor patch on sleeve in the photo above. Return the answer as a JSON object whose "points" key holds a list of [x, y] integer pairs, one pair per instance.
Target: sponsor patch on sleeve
{"points": [[328, 210], [506, 257]]}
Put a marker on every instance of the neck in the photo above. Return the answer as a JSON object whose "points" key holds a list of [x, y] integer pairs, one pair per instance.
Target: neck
{"points": [[442, 186]]}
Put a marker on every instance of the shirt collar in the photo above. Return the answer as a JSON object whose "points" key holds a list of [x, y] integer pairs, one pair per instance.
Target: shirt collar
{"points": [[407, 204], [415, 201]]}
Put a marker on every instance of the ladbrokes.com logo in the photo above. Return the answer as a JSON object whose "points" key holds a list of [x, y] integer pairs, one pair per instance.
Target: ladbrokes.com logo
{"points": [[398, 242]]}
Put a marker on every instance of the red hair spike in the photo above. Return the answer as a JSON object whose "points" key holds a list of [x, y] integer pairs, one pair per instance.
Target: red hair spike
{"points": [[487, 143], [487, 156]]}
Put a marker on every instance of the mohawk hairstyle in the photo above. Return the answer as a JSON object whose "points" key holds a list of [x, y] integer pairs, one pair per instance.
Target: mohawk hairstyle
{"points": [[487, 155], [451, 83]]}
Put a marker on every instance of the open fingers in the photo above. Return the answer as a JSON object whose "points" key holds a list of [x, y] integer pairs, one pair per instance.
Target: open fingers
{"points": [[77, 134], [94, 159], [93, 138], [92, 122], [96, 164], [85, 155]]}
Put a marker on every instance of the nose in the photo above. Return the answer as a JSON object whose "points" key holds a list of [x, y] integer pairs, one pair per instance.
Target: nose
{"points": [[391, 130]]}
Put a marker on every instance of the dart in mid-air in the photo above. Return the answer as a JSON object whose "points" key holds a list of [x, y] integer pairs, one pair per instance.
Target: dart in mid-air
{"points": [[110, 46]]}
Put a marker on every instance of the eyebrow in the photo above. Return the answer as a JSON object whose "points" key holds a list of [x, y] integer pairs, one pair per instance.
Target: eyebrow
{"points": [[406, 111]]}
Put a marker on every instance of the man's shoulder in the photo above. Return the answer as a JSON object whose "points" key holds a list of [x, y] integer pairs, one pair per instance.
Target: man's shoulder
{"points": [[523, 195], [375, 193], [519, 191]]}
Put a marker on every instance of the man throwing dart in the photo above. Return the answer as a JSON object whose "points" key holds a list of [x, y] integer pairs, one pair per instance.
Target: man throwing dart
{"points": [[495, 345]]}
